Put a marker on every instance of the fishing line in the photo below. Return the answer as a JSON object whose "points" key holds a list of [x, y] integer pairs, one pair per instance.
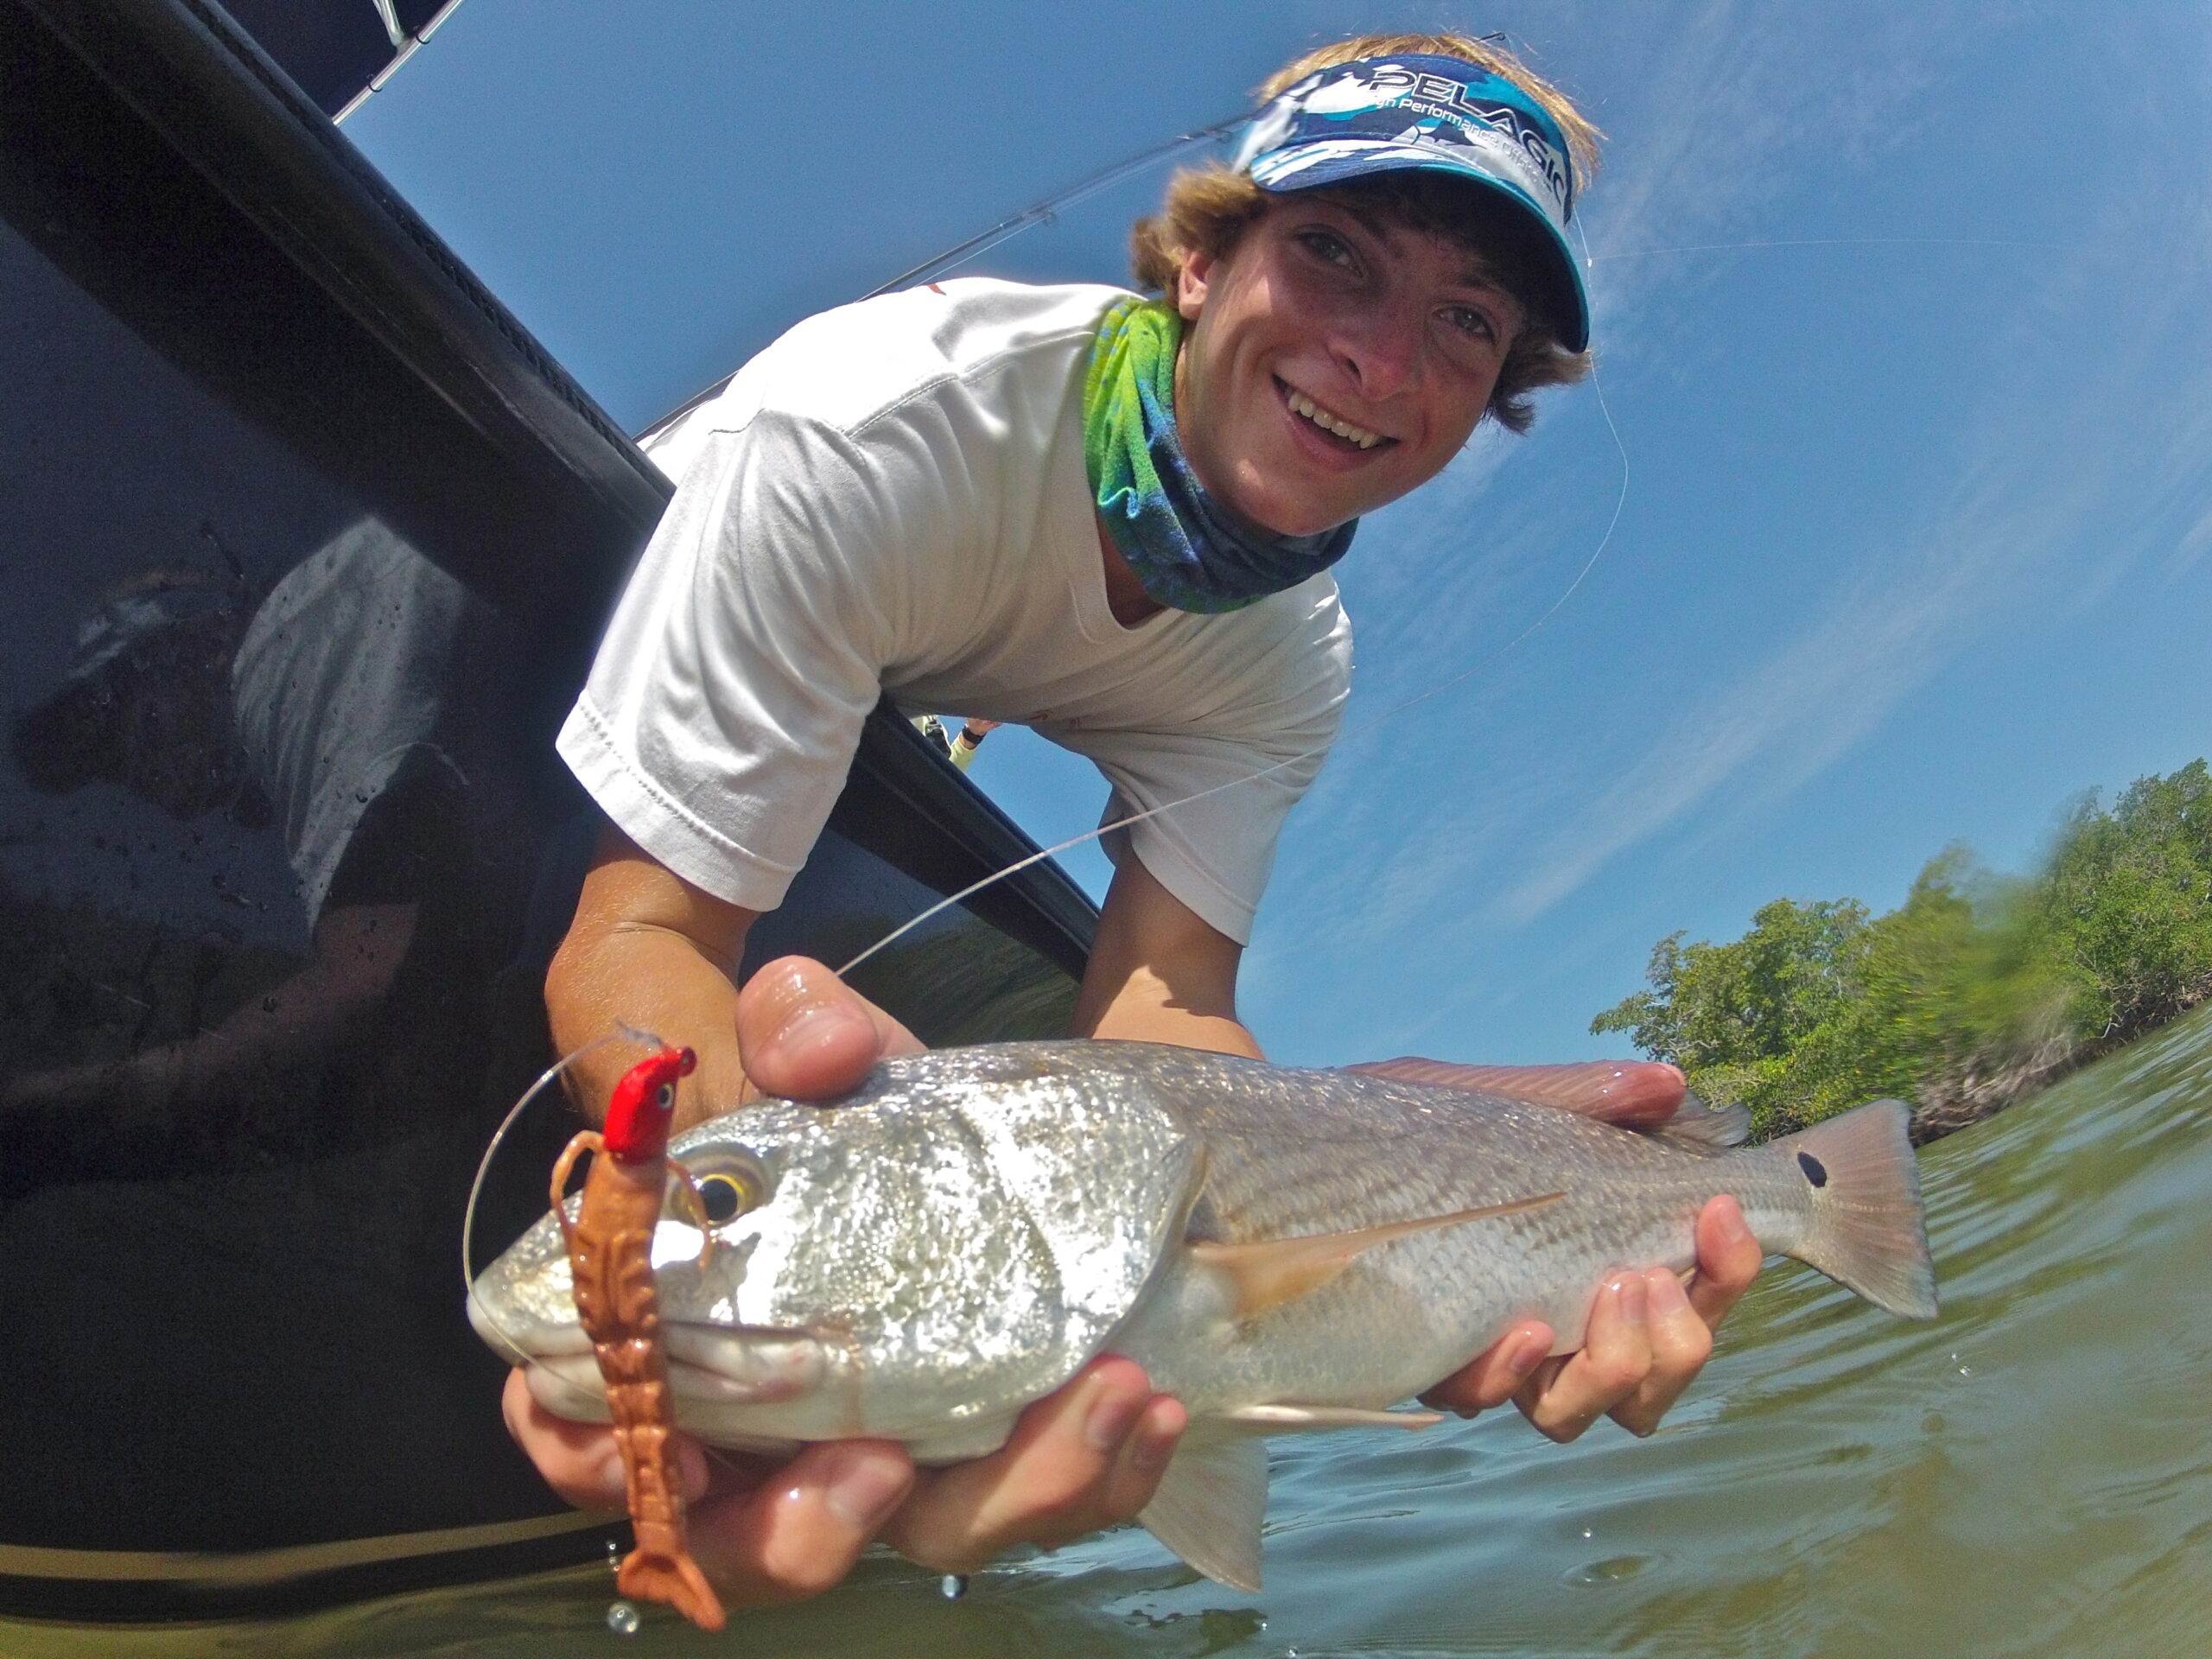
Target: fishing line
{"points": [[1038, 213], [620, 1033], [1043, 213], [1620, 501], [1839, 242]]}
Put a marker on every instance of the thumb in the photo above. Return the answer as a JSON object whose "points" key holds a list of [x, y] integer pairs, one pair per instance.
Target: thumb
{"points": [[804, 1034]]}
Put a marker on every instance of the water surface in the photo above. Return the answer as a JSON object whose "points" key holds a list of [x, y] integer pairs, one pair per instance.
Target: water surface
{"points": [[2031, 1474]]}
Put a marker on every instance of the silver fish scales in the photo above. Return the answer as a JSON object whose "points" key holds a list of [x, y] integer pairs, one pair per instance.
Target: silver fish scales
{"points": [[1282, 1249]]}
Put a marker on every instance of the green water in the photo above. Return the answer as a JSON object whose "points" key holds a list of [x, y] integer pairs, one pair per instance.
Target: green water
{"points": [[2031, 1474]]}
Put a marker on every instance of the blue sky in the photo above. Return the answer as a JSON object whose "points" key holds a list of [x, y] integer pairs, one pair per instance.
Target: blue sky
{"points": [[1903, 327]]}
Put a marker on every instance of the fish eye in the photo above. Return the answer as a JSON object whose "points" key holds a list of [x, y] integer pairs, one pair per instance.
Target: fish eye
{"points": [[727, 1194], [665, 1096]]}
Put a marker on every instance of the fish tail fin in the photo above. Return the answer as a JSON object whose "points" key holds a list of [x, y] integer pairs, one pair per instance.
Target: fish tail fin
{"points": [[1868, 1230], [671, 1576]]}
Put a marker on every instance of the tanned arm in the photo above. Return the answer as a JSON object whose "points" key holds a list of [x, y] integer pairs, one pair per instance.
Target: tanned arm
{"points": [[1160, 974], [649, 950]]}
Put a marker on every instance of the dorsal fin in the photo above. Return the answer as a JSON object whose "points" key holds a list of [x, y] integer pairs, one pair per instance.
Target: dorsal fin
{"points": [[1709, 1127], [1277, 1270], [1645, 1096], [1628, 1094]]}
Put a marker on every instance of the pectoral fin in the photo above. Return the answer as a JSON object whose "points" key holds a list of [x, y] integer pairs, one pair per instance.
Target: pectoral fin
{"points": [[1209, 1507], [1278, 1270]]}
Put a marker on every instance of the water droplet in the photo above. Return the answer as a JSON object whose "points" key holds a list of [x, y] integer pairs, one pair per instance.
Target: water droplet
{"points": [[1588, 1533], [1609, 1571], [613, 1556], [622, 1619], [952, 1586]]}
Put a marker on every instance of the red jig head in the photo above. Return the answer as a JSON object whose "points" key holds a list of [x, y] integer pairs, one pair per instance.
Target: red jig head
{"points": [[638, 1112]]}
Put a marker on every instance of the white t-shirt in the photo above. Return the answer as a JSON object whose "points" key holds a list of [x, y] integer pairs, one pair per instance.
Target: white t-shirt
{"points": [[892, 498], [340, 677]]}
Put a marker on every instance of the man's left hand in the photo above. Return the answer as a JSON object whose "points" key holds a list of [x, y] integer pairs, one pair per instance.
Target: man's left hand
{"points": [[1648, 1336]]}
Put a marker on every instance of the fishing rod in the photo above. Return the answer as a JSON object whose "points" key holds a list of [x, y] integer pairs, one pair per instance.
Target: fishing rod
{"points": [[1045, 212], [1038, 213], [1042, 212]]}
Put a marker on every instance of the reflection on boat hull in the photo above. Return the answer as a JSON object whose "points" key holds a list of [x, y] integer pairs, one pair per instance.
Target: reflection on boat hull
{"points": [[319, 542]]}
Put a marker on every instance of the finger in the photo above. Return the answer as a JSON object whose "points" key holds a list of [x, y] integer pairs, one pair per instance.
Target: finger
{"points": [[1142, 1462], [1681, 1344], [1728, 1259], [1056, 1467], [804, 1034], [1497, 1374], [1614, 1360], [580, 1461], [1069, 1468], [799, 1532]]}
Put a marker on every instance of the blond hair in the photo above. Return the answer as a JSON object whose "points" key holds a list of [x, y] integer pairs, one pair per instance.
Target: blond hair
{"points": [[1208, 208]]}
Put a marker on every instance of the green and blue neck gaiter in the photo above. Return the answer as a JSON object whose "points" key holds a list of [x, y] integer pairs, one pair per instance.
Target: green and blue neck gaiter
{"points": [[1187, 553]]}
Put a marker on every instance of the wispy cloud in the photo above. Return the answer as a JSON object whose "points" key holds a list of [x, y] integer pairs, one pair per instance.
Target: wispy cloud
{"points": [[1454, 573], [1771, 730], [2054, 441]]}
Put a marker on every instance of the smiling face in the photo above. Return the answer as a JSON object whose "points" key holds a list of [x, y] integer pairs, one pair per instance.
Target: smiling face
{"points": [[1336, 360]]}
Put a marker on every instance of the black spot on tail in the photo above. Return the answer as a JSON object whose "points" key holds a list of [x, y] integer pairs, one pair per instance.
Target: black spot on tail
{"points": [[1815, 1171]]}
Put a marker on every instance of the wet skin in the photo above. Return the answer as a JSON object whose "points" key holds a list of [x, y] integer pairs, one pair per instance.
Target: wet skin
{"points": [[1090, 1454], [1399, 334], [1396, 332], [1322, 310]]}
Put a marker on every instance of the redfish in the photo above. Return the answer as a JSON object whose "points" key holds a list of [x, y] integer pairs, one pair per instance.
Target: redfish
{"points": [[1283, 1250]]}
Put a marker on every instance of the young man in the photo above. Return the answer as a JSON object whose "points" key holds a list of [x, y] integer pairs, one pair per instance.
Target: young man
{"points": [[1110, 519]]}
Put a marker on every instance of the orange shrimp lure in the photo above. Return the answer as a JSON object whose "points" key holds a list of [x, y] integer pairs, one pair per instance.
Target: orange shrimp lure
{"points": [[610, 1260]]}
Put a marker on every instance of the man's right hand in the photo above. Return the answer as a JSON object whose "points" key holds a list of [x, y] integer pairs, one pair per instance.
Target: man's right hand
{"points": [[804, 1034], [1085, 1457]]}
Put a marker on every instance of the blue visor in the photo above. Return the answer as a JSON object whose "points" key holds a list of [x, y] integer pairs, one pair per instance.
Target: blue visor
{"points": [[1379, 115]]}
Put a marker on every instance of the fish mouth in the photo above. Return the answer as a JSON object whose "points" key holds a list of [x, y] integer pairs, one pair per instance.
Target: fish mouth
{"points": [[520, 1339], [710, 1365]]}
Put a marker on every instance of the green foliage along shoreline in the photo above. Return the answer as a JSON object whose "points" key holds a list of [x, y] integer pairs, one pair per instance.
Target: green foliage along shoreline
{"points": [[1977, 990]]}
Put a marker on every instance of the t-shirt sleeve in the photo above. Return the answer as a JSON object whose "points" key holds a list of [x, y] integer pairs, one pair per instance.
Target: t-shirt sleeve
{"points": [[1236, 773], [724, 708]]}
